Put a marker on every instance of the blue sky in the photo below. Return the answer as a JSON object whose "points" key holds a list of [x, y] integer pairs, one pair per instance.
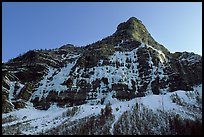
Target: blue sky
{"points": [[46, 25]]}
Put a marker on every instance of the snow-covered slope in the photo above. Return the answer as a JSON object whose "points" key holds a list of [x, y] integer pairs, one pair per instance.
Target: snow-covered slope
{"points": [[32, 121], [53, 81]]}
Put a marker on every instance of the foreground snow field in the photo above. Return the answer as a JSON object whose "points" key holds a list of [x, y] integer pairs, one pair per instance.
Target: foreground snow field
{"points": [[188, 104]]}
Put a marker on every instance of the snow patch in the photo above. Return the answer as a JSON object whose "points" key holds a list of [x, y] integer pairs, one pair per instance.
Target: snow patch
{"points": [[53, 81]]}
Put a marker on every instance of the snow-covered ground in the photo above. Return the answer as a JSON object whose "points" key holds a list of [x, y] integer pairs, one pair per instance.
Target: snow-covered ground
{"points": [[41, 120], [38, 119]]}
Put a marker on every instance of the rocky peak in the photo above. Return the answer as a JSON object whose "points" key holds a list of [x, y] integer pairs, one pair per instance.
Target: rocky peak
{"points": [[133, 28], [131, 24], [67, 46]]}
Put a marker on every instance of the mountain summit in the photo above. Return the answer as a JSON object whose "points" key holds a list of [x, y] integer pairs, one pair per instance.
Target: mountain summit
{"points": [[119, 69], [133, 28]]}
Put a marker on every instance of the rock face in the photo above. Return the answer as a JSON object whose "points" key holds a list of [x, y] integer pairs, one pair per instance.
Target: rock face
{"points": [[125, 65], [7, 86]]}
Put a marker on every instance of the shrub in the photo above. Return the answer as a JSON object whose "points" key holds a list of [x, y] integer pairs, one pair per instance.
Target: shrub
{"points": [[107, 111]]}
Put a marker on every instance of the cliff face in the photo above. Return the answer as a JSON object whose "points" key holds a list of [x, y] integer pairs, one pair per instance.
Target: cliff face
{"points": [[125, 65]]}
